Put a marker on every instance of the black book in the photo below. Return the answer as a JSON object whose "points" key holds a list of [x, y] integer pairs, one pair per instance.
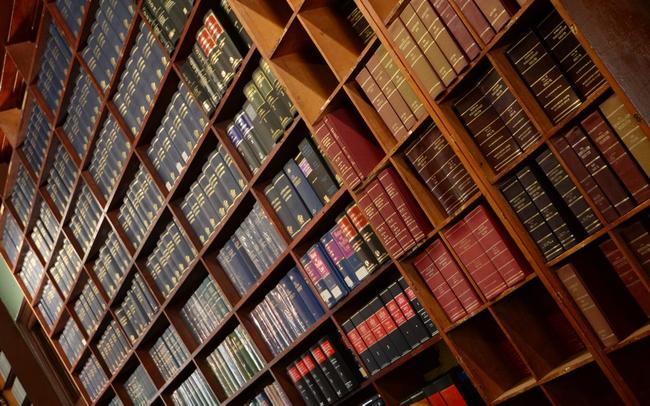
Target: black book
{"points": [[419, 309], [319, 378]]}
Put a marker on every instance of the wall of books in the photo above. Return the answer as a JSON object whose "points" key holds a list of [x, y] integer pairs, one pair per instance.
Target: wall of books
{"points": [[287, 202]]}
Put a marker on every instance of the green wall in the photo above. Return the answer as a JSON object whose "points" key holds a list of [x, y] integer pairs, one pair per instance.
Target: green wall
{"points": [[10, 293]]}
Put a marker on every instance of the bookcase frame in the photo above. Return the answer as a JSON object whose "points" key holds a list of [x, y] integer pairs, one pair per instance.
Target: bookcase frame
{"points": [[316, 56]]}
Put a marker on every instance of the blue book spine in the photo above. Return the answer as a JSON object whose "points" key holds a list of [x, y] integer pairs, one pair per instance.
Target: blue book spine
{"points": [[302, 186]]}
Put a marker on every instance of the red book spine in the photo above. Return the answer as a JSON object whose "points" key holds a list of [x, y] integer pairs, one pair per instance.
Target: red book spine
{"points": [[493, 240], [616, 155], [475, 260], [390, 214], [452, 396], [454, 276], [436, 399], [337, 157], [359, 345], [476, 19], [380, 225], [440, 288], [414, 218]]}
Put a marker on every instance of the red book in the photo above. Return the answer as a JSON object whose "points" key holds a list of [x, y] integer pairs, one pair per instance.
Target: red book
{"points": [[362, 153], [436, 399], [439, 286], [496, 245], [617, 156], [334, 152], [454, 276], [627, 275], [452, 396], [415, 220], [379, 224], [391, 216], [475, 260]]}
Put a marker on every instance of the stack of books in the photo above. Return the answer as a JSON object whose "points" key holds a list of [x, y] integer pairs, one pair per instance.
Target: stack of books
{"points": [[72, 12], [109, 157], [44, 231], [167, 19], [81, 113], [113, 346], [93, 378], [22, 194], [139, 387], [111, 264], [85, 217], [72, 341], [66, 268], [61, 178], [36, 140], [11, 237], [89, 307], [141, 203], [56, 62], [168, 353], [137, 309], [194, 391], [50, 304], [205, 309], [31, 272]]}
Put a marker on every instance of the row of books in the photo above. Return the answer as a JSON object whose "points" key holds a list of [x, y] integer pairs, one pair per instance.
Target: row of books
{"points": [[357, 21], [107, 36], [393, 212], [437, 45], [251, 250], [343, 257], [494, 118], [140, 79], [168, 353], [262, 119], [72, 12], [322, 375], [167, 19], [626, 273], [109, 156], [212, 63], [550, 50], [23, 194], [111, 264], [194, 391], [451, 389], [140, 206], [113, 346], [235, 361], [139, 387], [86, 216], [61, 178], [81, 113], [390, 94], [44, 231], [12, 237], [602, 164], [286, 312], [441, 170], [352, 153], [549, 205], [93, 378], [50, 303], [37, 137], [301, 189], [89, 307], [54, 68], [391, 325], [273, 395], [212, 194], [66, 268], [137, 309], [232, 25], [205, 309], [31, 272], [72, 341], [179, 131], [170, 258]]}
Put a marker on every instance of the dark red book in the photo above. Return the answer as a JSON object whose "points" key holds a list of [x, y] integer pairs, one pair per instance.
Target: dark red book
{"points": [[496, 245], [457, 28], [616, 155], [389, 213], [384, 232], [475, 260], [638, 239], [335, 154], [379, 101], [360, 346], [476, 19], [495, 12], [452, 396]]}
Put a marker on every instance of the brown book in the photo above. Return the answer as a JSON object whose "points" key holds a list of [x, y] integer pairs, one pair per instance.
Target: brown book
{"points": [[573, 58], [600, 171], [513, 116], [379, 101], [415, 59], [617, 156], [406, 205], [427, 45], [495, 12], [627, 128], [638, 239], [335, 154], [457, 28], [476, 19], [571, 281], [544, 77], [627, 275], [391, 216], [440, 34], [403, 87], [585, 179], [388, 88], [490, 133], [440, 168], [379, 224]]}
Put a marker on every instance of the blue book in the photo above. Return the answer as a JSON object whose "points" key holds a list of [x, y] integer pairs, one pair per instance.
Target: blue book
{"points": [[302, 186], [303, 290]]}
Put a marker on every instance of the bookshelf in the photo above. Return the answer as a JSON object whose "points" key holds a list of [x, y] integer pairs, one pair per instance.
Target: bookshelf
{"points": [[529, 343]]}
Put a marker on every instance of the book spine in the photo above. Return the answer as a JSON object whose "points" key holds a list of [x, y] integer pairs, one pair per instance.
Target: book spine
{"points": [[476, 19], [439, 287]]}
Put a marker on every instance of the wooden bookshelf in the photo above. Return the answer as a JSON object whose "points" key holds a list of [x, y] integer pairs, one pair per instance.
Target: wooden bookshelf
{"points": [[507, 346]]}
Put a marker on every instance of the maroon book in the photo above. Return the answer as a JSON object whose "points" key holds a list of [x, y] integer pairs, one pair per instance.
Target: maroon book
{"points": [[495, 12], [457, 28], [617, 156], [497, 246], [335, 154], [476, 19], [439, 287], [406, 205], [389, 213], [379, 101], [475, 260], [638, 239], [379, 224]]}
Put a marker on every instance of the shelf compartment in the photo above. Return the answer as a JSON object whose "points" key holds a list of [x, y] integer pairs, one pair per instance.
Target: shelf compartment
{"points": [[585, 386], [265, 20], [632, 362]]}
